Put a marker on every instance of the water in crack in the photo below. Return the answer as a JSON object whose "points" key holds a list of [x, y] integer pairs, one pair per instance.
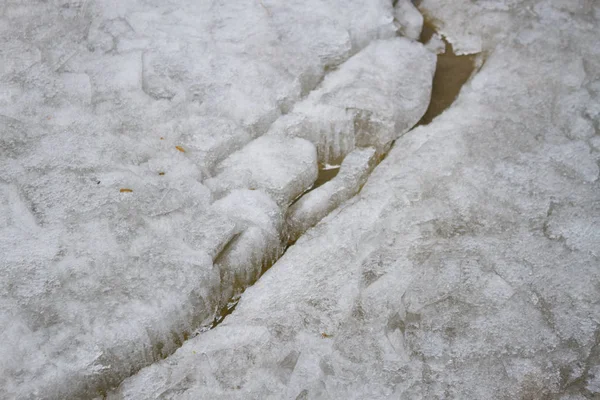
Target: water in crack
{"points": [[451, 73], [326, 173]]}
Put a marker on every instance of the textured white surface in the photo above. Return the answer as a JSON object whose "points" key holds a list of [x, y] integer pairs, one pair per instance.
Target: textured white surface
{"points": [[316, 204], [117, 118], [370, 100], [467, 267], [409, 19]]}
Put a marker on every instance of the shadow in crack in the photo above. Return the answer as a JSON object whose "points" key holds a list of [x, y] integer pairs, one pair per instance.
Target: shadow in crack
{"points": [[451, 73]]}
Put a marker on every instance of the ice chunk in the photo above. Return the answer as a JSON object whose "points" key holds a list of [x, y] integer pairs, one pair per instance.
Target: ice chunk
{"points": [[156, 85], [283, 167], [409, 18], [112, 116], [465, 269], [209, 140], [316, 204], [373, 98], [260, 221], [436, 44]]}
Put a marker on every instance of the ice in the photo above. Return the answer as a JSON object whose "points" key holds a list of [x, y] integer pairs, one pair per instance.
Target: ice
{"points": [[284, 168], [354, 107], [409, 18], [436, 44], [137, 192], [259, 220], [466, 267], [208, 140], [316, 204]]}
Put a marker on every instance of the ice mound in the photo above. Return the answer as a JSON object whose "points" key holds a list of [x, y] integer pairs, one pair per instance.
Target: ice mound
{"points": [[315, 205], [283, 167], [370, 100], [260, 222], [467, 268]]}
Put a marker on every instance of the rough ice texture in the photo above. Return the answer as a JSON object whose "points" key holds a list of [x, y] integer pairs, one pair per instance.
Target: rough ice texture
{"points": [[467, 267], [409, 19], [283, 167], [315, 205], [114, 116], [436, 44], [370, 100]]}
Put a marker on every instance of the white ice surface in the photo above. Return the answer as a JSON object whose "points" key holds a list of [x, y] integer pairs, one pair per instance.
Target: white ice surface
{"points": [[436, 44], [315, 205], [467, 267], [114, 117], [409, 18], [283, 167], [370, 100]]}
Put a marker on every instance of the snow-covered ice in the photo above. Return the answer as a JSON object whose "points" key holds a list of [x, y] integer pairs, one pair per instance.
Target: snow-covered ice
{"points": [[468, 265], [138, 188], [409, 18], [370, 100], [283, 167], [315, 205]]}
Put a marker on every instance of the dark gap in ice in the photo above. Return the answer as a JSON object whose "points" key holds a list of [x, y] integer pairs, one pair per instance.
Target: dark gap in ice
{"points": [[326, 173], [451, 73]]}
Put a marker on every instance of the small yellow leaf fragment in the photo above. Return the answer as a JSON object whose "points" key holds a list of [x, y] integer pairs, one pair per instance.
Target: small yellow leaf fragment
{"points": [[162, 138], [194, 351], [125, 190], [181, 149], [325, 335], [161, 173]]}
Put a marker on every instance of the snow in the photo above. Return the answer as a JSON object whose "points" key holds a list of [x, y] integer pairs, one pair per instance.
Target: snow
{"points": [[409, 18], [139, 191], [370, 100], [466, 268], [283, 167], [436, 44], [156, 155]]}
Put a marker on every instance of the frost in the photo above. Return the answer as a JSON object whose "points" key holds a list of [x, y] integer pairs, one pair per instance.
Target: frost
{"points": [[466, 266], [409, 18], [138, 191], [284, 168], [353, 107], [315, 205]]}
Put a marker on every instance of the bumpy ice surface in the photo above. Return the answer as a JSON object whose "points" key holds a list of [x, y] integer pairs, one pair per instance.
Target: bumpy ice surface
{"points": [[468, 266], [139, 191]]}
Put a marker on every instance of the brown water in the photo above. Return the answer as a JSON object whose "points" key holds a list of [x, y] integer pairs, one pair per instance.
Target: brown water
{"points": [[450, 75]]}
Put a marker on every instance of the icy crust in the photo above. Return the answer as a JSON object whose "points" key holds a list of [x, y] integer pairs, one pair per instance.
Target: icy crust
{"points": [[283, 167], [370, 100], [123, 125], [409, 19], [315, 205], [467, 267]]}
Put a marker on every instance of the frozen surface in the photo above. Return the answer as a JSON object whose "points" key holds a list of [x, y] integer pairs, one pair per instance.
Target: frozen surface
{"points": [[315, 205], [370, 100], [436, 44], [283, 167], [137, 190], [467, 267], [409, 19]]}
